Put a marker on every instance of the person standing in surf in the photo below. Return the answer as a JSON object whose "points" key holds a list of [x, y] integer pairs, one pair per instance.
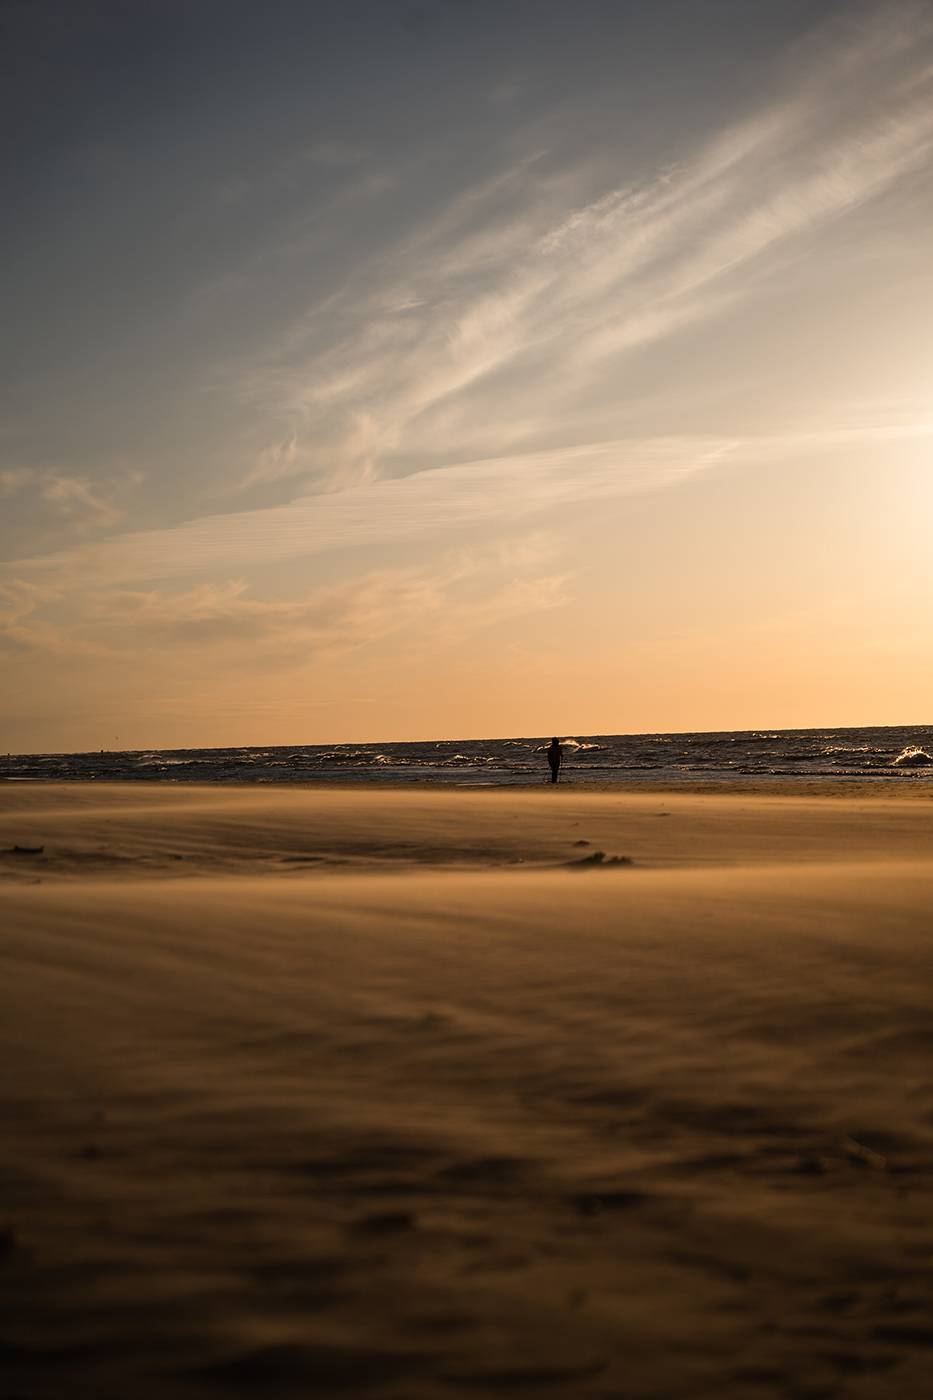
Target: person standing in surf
{"points": [[554, 756]]}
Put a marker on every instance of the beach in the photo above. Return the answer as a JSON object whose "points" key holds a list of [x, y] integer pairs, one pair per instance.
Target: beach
{"points": [[437, 1093]]}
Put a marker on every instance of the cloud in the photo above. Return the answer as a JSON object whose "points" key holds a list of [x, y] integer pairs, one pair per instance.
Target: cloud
{"points": [[14, 479], [280, 459], [493, 328], [74, 501], [467, 591], [458, 381], [431, 507], [23, 629], [337, 618], [18, 600], [81, 502], [500, 492]]}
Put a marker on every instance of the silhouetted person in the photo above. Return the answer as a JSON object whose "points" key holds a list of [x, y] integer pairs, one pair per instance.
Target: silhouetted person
{"points": [[554, 757]]}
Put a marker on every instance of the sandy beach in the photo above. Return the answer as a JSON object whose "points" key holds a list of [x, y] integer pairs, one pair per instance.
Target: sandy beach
{"points": [[385, 1093]]}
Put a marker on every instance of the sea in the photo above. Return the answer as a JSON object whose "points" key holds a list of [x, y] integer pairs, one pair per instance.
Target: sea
{"points": [[905, 754]]}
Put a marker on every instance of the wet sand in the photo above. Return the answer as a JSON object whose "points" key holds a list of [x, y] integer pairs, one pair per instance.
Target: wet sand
{"points": [[378, 1093]]}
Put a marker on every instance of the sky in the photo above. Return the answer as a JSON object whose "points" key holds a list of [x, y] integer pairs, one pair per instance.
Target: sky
{"points": [[384, 371]]}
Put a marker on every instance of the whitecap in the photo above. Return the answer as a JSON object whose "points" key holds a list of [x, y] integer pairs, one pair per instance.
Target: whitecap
{"points": [[913, 758]]}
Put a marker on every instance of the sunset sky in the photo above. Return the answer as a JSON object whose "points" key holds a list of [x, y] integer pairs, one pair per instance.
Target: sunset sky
{"points": [[420, 370]]}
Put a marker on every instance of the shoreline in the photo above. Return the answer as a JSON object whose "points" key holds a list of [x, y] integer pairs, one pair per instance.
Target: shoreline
{"points": [[885, 785]]}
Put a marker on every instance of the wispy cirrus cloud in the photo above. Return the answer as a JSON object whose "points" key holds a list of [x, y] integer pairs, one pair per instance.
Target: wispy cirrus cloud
{"points": [[466, 591], [74, 501], [494, 329], [30, 622], [454, 383], [426, 507]]}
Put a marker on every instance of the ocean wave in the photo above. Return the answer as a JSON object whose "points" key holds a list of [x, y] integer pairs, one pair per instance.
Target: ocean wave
{"points": [[913, 758], [340, 756], [575, 745]]}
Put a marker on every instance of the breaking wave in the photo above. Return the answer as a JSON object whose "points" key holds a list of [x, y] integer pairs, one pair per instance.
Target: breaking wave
{"points": [[913, 758]]}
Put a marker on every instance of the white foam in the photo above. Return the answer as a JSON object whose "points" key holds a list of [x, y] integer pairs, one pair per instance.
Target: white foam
{"points": [[913, 758]]}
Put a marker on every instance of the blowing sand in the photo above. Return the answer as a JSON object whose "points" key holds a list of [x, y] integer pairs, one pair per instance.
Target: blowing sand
{"points": [[373, 1093]]}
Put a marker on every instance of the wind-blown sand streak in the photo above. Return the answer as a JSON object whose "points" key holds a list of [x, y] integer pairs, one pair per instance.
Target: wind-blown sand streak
{"points": [[377, 1099]]}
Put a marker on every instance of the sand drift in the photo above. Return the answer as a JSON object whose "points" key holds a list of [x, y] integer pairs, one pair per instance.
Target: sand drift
{"points": [[359, 1093]]}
